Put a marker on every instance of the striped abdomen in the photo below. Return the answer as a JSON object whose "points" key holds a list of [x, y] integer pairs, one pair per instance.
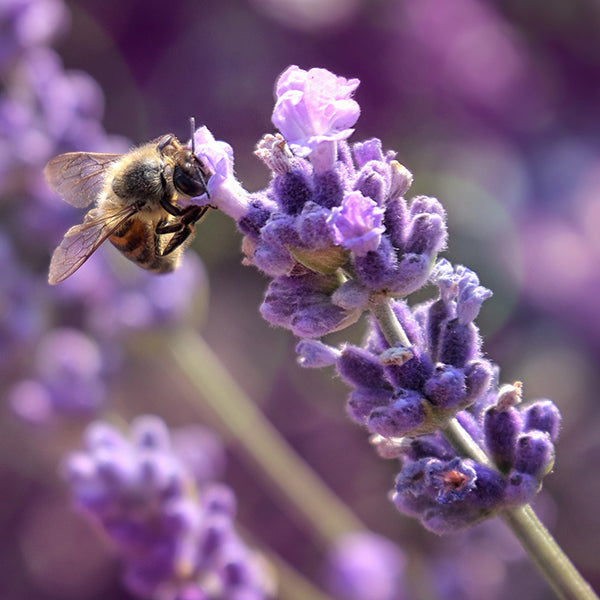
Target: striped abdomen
{"points": [[138, 241]]}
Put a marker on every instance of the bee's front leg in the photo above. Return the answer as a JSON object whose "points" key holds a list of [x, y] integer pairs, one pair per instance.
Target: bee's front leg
{"points": [[182, 227]]}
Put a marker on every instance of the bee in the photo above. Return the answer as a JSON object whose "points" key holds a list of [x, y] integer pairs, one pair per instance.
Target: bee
{"points": [[134, 196]]}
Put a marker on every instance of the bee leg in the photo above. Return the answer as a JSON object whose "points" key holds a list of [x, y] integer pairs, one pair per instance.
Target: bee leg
{"points": [[171, 208], [179, 238], [181, 228]]}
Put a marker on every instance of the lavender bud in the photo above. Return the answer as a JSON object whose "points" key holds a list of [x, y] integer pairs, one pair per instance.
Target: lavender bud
{"points": [[293, 189], [328, 188], [303, 304], [374, 268], [446, 387], [374, 181], [433, 446], [543, 416], [488, 493], [280, 230], [436, 314], [410, 324], [427, 235], [313, 227], [316, 354], [273, 260], [521, 488], [458, 343], [369, 150], [406, 415], [361, 369], [534, 454], [395, 222], [351, 295], [478, 374], [501, 427], [254, 220], [362, 401], [426, 205], [411, 274]]}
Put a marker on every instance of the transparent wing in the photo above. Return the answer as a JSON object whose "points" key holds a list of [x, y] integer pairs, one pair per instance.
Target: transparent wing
{"points": [[79, 176], [81, 241]]}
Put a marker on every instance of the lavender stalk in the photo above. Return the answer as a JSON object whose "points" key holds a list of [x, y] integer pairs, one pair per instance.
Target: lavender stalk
{"points": [[336, 235]]}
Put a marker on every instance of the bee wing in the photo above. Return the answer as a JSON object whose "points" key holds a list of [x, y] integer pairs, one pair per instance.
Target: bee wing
{"points": [[82, 240], [79, 176]]}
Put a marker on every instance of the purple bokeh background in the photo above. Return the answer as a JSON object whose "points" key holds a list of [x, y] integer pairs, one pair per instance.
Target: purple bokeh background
{"points": [[495, 109]]}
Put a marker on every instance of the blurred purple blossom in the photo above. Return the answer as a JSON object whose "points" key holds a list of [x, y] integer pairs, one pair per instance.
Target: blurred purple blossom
{"points": [[68, 378], [172, 527], [45, 110], [365, 566]]}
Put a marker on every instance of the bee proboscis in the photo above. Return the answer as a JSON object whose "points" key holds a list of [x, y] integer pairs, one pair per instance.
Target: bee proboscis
{"points": [[134, 197]]}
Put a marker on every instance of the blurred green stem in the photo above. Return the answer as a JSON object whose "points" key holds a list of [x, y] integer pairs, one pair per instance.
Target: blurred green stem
{"points": [[553, 563], [287, 473]]}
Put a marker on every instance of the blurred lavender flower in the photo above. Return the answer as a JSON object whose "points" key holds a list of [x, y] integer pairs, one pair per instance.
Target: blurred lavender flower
{"points": [[171, 523], [45, 110], [68, 378], [365, 566]]}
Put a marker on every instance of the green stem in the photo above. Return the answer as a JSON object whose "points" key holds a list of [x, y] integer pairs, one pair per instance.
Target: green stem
{"points": [[555, 566], [388, 323], [290, 477], [549, 557]]}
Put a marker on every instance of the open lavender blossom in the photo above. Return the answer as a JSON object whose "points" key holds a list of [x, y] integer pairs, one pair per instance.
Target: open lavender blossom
{"points": [[170, 521], [313, 107]]}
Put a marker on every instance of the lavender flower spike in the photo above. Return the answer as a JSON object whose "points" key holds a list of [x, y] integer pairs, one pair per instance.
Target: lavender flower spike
{"points": [[313, 107]]}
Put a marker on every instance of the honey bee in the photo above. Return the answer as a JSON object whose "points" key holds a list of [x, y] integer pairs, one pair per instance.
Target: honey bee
{"points": [[134, 197]]}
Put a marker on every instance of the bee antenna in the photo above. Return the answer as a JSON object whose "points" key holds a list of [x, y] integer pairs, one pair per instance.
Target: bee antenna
{"points": [[193, 130]]}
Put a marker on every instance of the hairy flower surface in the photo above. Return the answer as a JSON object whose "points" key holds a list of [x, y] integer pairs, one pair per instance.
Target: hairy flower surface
{"points": [[337, 237]]}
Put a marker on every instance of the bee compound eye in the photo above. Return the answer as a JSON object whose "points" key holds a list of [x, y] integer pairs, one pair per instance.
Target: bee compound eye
{"points": [[164, 141], [187, 184]]}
